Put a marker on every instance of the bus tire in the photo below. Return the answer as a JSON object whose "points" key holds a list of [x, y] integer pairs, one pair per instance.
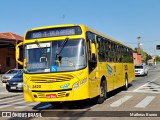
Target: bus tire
{"points": [[125, 87], [101, 98]]}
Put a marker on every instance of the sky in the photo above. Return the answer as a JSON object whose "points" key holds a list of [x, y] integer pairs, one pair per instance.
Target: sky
{"points": [[123, 20]]}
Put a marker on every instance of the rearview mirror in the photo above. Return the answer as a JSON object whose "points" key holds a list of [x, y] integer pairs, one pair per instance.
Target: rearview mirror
{"points": [[17, 53], [24, 62], [93, 51], [93, 48]]}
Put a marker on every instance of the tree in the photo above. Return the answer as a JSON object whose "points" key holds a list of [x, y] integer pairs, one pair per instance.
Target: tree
{"points": [[158, 58], [145, 57]]}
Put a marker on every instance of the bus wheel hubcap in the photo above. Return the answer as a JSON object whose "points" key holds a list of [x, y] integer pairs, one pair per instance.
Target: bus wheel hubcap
{"points": [[126, 83], [102, 91]]}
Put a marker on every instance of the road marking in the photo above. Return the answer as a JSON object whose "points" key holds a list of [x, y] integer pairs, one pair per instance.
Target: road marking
{"points": [[6, 92], [6, 99], [144, 85], [10, 101], [150, 87], [140, 91], [24, 106], [146, 101], [3, 84], [120, 101], [4, 106]]}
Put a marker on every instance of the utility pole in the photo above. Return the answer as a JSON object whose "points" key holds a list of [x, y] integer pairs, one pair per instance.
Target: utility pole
{"points": [[138, 49], [155, 57]]}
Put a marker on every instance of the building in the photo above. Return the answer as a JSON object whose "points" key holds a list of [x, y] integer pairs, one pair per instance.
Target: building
{"points": [[137, 58], [8, 41], [152, 61]]}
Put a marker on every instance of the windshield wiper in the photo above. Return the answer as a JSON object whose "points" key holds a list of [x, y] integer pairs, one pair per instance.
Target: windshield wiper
{"points": [[62, 46], [44, 54], [37, 43], [57, 53]]}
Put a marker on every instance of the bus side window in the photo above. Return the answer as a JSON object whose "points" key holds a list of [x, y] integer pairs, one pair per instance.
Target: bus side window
{"points": [[92, 61], [101, 49]]}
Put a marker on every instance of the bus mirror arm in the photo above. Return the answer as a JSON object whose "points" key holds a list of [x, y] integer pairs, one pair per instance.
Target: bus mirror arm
{"points": [[93, 48], [92, 61], [17, 53]]}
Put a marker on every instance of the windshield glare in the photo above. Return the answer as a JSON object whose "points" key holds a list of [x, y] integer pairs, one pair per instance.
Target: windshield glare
{"points": [[55, 56]]}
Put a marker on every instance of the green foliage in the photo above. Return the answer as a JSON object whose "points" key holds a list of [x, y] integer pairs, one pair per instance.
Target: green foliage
{"points": [[158, 58], [145, 57]]}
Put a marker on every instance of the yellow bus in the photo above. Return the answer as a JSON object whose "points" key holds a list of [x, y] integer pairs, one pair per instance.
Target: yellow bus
{"points": [[73, 62]]}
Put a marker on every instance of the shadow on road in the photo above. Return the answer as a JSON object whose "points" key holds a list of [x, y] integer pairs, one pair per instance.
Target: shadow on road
{"points": [[74, 105]]}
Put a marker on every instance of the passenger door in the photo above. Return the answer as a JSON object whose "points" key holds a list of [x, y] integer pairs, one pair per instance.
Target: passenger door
{"points": [[92, 64]]}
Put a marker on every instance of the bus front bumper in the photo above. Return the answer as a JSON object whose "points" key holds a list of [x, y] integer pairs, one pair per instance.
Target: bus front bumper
{"points": [[78, 92]]}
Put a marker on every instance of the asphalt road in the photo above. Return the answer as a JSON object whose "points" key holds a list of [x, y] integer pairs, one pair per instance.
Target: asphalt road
{"points": [[140, 101]]}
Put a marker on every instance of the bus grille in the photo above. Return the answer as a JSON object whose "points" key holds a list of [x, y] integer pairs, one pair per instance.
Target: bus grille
{"points": [[51, 78], [59, 95]]}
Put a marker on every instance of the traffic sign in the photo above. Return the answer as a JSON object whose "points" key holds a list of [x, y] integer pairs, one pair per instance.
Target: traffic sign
{"points": [[158, 47]]}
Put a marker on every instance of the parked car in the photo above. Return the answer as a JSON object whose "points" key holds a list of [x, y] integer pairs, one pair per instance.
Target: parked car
{"points": [[15, 83], [10, 74], [141, 70]]}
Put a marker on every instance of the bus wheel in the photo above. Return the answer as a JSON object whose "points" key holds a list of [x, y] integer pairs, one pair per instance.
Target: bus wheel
{"points": [[125, 87], [101, 98]]}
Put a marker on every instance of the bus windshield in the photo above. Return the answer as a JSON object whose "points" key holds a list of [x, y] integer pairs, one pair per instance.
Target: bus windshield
{"points": [[55, 56]]}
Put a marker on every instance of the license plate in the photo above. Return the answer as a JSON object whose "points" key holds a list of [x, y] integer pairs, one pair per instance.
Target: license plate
{"points": [[51, 95], [13, 88]]}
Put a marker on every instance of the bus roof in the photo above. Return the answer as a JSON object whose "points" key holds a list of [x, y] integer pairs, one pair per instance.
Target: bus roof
{"points": [[55, 26], [87, 28]]}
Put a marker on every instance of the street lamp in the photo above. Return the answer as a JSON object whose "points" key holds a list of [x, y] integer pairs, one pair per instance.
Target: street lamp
{"points": [[139, 44]]}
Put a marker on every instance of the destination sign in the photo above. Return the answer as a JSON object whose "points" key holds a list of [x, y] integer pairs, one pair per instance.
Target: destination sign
{"points": [[42, 45], [52, 32]]}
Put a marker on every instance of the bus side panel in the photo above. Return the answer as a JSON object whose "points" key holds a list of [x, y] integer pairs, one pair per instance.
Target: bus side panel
{"points": [[120, 75], [94, 83], [131, 73], [110, 75], [120, 72]]}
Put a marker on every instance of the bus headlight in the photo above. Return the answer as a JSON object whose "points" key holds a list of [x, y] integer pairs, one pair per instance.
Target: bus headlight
{"points": [[24, 85], [75, 86], [79, 83], [83, 81], [28, 88]]}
